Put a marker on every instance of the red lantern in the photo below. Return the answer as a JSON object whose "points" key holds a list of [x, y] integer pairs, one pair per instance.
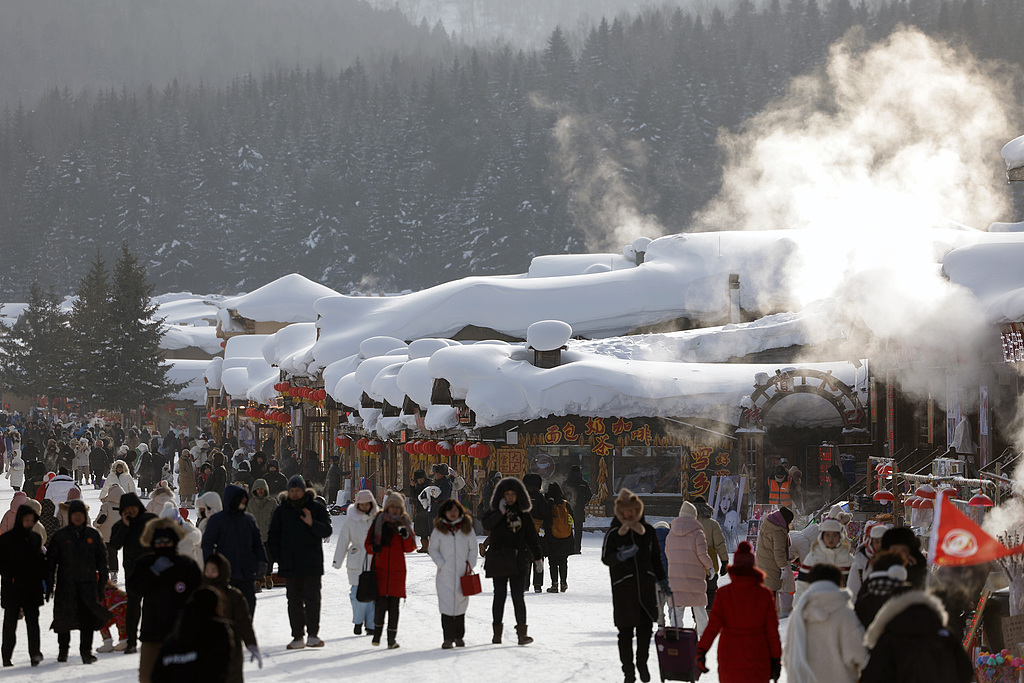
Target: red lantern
{"points": [[286, 418], [479, 450], [361, 444], [342, 441], [428, 448], [374, 446], [285, 386], [409, 446], [462, 448], [221, 412], [443, 448], [223, 344]]}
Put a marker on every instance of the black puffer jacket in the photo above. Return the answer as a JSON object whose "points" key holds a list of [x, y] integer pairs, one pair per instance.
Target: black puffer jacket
{"points": [[22, 565], [276, 482], [512, 544], [634, 579], [299, 547], [165, 580], [233, 533], [125, 537]]}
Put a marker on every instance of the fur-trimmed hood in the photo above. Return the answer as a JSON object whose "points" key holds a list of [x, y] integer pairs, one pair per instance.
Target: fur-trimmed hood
{"points": [[511, 484], [158, 524], [898, 604], [122, 463], [282, 497]]}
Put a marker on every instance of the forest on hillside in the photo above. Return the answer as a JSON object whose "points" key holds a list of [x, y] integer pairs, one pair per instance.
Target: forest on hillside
{"points": [[402, 171]]}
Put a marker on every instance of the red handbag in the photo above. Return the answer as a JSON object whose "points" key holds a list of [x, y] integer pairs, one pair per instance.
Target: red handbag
{"points": [[470, 582]]}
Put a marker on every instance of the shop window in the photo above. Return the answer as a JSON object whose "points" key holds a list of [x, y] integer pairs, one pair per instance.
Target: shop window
{"points": [[650, 471]]}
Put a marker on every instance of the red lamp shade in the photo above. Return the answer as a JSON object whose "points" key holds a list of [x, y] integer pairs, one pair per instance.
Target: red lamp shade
{"points": [[884, 497], [410, 447], [925, 491], [925, 504], [374, 446], [982, 500], [462, 448], [479, 450], [913, 502], [443, 448]]}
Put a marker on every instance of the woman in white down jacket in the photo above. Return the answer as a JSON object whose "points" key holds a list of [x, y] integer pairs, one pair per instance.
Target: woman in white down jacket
{"points": [[453, 548], [351, 542], [120, 475]]}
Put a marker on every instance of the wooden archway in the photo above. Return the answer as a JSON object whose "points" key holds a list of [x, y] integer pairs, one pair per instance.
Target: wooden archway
{"points": [[770, 389]]}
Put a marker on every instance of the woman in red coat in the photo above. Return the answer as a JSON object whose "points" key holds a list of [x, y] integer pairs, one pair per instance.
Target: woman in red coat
{"points": [[744, 612], [390, 537]]}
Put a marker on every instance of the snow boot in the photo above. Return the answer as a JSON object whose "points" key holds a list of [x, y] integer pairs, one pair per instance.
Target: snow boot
{"points": [[425, 546], [121, 645], [88, 658], [358, 630], [107, 646], [497, 634], [643, 671], [521, 632], [296, 644], [392, 638], [376, 635], [553, 589], [62, 655]]}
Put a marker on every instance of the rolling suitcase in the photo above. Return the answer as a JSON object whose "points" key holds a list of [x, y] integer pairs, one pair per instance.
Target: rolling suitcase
{"points": [[677, 651]]}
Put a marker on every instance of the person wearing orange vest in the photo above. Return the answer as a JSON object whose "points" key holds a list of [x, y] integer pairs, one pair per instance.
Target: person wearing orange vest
{"points": [[778, 489]]}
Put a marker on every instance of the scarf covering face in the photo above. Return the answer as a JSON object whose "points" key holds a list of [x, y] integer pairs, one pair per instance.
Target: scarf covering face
{"points": [[385, 526]]}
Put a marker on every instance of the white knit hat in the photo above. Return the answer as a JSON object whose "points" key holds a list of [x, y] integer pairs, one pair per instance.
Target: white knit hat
{"points": [[831, 525]]}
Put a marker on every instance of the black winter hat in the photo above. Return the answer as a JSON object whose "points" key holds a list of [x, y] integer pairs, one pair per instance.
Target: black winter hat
{"points": [[419, 474], [77, 505], [900, 536], [297, 482], [532, 481], [129, 500]]}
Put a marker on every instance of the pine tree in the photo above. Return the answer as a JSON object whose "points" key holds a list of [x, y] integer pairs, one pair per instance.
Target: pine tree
{"points": [[90, 330], [33, 354], [136, 374]]}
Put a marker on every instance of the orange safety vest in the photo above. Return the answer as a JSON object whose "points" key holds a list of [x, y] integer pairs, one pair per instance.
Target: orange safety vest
{"points": [[778, 494]]}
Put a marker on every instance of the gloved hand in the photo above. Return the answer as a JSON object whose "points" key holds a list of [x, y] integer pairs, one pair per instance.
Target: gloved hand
{"points": [[403, 532], [724, 570], [502, 506], [666, 589], [161, 565], [261, 570], [626, 552], [538, 566], [701, 666], [256, 656], [776, 669]]}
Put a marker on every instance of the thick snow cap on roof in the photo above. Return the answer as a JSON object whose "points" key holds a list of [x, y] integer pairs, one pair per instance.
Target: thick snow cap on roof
{"points": [[992, 272], [213, 374], [185, 308], [187, 336], [191, 372], [244, 364], [290, 348], [288, 299]]}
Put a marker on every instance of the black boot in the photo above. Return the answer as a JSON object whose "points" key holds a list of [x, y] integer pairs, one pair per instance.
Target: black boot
{"points": [[62, 654], [392, 638], [447, 629], [630, 676], [643, 671], [496, 640], [460, 630]]}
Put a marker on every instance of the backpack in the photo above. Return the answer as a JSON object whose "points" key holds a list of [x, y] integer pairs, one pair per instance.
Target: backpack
{"points": [[561, 520]]}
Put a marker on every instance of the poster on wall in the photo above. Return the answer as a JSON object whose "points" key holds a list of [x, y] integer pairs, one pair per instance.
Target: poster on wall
{"points": [[726, 499]]}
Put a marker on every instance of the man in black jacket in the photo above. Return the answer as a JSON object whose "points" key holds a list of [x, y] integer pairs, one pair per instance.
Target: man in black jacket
{"points": [[78, 574], [579, 493], [23, 570], [235, 535], [276, 482], [541, 513], [165, 580], [125, 536], [297, 531]]}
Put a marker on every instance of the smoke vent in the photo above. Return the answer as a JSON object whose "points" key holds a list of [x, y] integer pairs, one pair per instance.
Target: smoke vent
{"points": [[734, 297], [640, 248], [547, 338]]}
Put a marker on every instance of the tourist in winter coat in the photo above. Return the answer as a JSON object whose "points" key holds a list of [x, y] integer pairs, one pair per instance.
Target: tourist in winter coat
{"points": [[289, 465], [187, 487], [57, 489], [312, 468], [420, 502], [824, 638], [631, 553], [119, 475], [390, 537], [579, 494], [261, 507], [7, 523], [258, 465], [236, 611], [351, 543], [108, 516], [234, 534], [773, 556], [830, 547], [207, 505], [77, 574], [540, 511], [296, 540], [218, 478], [453, 548], [907, 544], [276, 481], [744, 614], [126, 536], [242, 477], [512, 551], [333, 481], [171, 445], [16, 471], [191, 543], [718, 552], [909, 643], [161, 495], [144, 468], [115, 601], [686, 555], [165, 580], [99, 462], [886, 577], [560, 541], [861, 566], [200, 647], [23, 573], [82, 450]]}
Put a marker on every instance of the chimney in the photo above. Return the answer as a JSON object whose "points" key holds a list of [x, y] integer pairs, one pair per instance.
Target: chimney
{"points": [[546, 339], [734, 297]]}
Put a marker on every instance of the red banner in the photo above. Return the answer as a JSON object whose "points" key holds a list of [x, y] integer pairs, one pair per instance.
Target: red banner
{"points": [[957, 541]]}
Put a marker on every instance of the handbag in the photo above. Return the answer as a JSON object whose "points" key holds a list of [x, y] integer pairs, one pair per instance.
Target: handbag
{"points": [[366, 589], [470, 582]]}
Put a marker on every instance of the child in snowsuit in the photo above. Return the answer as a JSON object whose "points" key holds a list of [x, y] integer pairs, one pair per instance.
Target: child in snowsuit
{"points": [[116, 601]]}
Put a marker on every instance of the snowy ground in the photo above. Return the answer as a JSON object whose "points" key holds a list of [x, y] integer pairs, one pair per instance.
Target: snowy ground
{"points": [[573, 632]]}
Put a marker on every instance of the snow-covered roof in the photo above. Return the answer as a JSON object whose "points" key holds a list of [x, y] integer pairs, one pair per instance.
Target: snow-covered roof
{"points": [[288, 299], [192, 372], [185, 336], [245, 368], [685, 275], [290, 348], [213, 373], [185, 308], [992, 272]]}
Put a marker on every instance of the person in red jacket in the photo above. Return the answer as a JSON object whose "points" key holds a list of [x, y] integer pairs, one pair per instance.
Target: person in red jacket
{"points": [[390, 537], [744, 613]]}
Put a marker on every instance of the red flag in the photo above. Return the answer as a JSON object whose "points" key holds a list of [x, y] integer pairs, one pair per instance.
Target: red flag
{"points": [[957, 541]]}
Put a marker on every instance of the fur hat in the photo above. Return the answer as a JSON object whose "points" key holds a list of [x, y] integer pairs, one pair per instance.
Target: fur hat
{"points": [[878, 531], [831, 525], [161, 526], [628, 500], [439, 468], [688, 509], [393, 498], [744, 556], [419, 474], [511, 484]]}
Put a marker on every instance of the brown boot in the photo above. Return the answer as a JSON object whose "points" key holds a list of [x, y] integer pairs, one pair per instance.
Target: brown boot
{"points": [[497, 634], [426, 546], [521, 632]]}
